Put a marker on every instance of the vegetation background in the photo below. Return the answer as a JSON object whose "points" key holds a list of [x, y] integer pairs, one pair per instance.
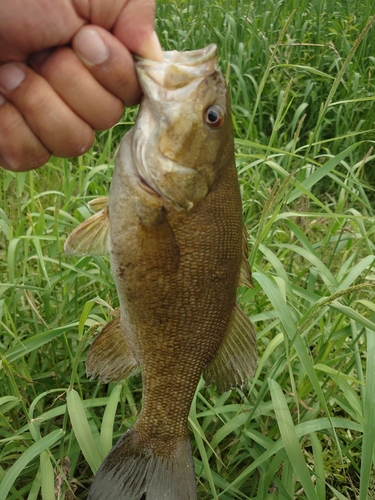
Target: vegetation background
{"points": [[301, 77]]}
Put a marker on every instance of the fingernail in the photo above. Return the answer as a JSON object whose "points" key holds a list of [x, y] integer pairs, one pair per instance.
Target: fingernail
{"points": [[90, 47], [2, 99], [10, 77], [151, 49]]}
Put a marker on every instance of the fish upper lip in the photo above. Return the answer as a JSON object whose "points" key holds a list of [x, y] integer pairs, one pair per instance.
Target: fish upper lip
{"points": [[177, 70], [189, 58]]}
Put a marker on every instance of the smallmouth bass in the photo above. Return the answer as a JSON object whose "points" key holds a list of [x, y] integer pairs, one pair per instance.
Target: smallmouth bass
{"points": [[173, 227]]}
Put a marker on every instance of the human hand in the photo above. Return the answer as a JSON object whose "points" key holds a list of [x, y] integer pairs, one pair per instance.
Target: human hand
{"points": [[68, 71]]}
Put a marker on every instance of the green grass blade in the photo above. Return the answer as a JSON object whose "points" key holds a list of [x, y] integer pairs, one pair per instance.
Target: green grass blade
{"points": [[35, 487], [321, 172], [318, 467], [200, 440], [338, 495], [369, 418], [82, 431], [269, 66], [106, 432], [32, 452], [290, 440], [301, 430], [291, 330], [47, 478], [34, 343], [353, 314]]}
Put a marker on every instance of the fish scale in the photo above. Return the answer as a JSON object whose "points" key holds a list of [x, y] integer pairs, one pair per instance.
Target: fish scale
{"points": [[178, 252]]}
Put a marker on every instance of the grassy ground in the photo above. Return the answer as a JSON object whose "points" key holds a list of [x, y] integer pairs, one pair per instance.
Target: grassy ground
{"points": [[301, 76]]}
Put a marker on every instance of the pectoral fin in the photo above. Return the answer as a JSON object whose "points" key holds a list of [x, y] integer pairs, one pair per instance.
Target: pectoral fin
{"points": [[110, 358], [90, 237], [235, 361], [245, 273], [98, 203]]}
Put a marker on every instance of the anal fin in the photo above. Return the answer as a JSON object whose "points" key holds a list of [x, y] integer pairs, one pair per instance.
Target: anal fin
{"points": [[236, 359], [110, 358]]}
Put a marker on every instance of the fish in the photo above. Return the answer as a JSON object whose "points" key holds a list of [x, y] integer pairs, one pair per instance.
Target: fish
{"points": [[174, 231]]}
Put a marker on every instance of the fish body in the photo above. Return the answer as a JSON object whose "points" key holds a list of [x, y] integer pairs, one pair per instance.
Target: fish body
{"points": [[178, 254]]}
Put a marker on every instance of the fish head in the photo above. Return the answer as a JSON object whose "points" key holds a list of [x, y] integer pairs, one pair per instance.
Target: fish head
{"points": [[184, 126]]}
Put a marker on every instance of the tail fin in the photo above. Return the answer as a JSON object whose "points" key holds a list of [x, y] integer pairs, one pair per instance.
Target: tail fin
{"points": [[132, 471]]}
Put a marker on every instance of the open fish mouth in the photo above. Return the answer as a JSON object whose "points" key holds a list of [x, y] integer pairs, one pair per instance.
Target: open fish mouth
{"points": [[178, 68], [192, 57]]}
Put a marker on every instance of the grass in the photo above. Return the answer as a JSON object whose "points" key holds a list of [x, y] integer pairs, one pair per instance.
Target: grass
{"points": [[303, 97]]}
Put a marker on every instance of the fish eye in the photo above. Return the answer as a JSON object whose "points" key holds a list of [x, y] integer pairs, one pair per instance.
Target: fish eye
{"points": [[214, 116]]}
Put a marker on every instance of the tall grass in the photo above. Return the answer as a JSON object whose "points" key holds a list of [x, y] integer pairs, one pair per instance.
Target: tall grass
{"points": [[302, 88]]}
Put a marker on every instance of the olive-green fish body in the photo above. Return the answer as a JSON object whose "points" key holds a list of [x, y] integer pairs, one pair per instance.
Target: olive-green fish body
{"points": [[178, 254]]}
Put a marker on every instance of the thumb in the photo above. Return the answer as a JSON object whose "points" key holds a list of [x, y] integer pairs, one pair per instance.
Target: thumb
{"points": [[135, 29]]}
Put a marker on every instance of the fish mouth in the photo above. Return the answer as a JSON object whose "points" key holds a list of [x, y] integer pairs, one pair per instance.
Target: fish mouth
{"points": [[188, 58], [192, 57], [177, 70]]}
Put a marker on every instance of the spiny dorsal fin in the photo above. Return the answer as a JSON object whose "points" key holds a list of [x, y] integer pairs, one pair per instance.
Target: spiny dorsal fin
{"points": [[236, 359], [110, 358], [91, 236], [245, 273]]}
